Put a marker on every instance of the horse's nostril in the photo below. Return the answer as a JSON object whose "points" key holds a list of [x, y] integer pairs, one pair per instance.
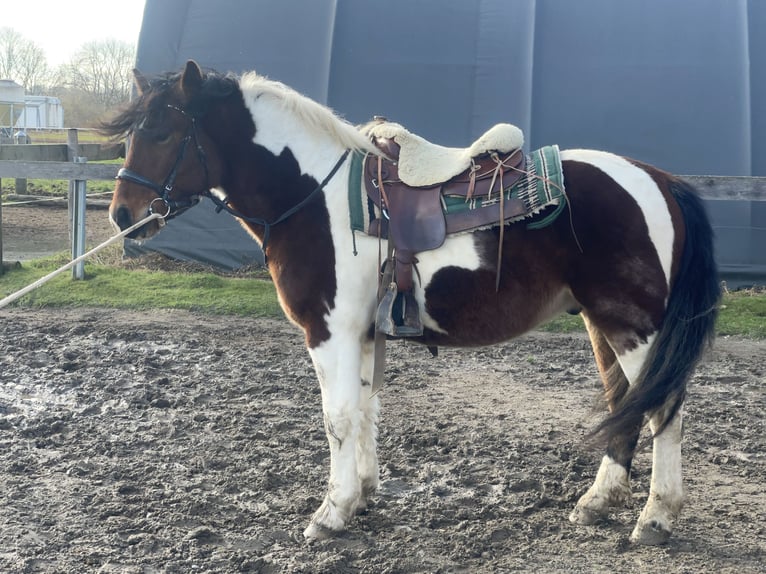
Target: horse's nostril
{"points": [[123, 218]]}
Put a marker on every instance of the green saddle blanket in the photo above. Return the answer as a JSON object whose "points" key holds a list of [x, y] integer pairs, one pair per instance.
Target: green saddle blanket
{"points": [[540, 187]]}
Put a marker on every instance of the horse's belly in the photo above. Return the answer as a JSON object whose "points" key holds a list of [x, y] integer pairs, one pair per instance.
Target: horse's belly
{"points": [[462, 307]]}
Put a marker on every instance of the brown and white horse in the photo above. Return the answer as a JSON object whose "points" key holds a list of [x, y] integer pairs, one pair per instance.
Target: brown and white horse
{"points": [[632, 252]]}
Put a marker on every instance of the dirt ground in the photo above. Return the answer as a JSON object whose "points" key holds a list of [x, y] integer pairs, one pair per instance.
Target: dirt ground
{"points": [[169, 442], [41, 230]]}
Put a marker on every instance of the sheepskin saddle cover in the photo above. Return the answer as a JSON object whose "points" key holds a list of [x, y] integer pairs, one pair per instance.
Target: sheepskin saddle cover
{"points": [[422, 163]]}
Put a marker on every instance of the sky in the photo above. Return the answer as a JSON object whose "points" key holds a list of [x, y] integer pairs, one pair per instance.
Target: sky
{"points": [[61, 27]]}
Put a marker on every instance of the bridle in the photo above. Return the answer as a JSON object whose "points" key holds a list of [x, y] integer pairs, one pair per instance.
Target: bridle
{"points": [[175, 207], [172, 207]]}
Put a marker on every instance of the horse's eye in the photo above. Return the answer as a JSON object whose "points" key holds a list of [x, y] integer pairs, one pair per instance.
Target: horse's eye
{"points": [[154, 132], [162, 137]]}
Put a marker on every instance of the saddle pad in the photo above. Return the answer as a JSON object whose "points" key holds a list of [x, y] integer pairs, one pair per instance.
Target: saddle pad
{"points": [[541, 186]]}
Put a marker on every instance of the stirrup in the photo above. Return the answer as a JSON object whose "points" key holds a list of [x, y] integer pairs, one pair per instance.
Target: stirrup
{"points": [[384, 321], [411, 325], [398, 314]]}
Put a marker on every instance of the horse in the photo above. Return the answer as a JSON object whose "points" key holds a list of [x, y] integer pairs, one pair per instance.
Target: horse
{"points": [[631, 252]]}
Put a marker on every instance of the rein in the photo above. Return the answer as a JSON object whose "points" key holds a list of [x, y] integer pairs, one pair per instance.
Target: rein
{"points": [[223, 205], [175, 207]]}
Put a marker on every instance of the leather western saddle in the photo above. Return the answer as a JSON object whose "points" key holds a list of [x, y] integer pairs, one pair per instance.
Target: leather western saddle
{"points": [[414, 218]]}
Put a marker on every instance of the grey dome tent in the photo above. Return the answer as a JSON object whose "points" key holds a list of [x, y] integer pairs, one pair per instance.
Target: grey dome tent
{"points": [[677, 83]]}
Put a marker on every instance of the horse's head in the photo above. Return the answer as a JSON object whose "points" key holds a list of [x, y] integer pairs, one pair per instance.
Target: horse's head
{"points": [[171, 159]]}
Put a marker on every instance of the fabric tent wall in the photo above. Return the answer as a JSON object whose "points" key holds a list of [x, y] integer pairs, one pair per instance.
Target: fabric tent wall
{"points": [[677, 83]]}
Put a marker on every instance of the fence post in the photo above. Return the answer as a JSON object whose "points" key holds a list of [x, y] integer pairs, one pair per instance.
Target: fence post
{"points": [[76, 205], [78, 223], [2, 264], [20, 137]]}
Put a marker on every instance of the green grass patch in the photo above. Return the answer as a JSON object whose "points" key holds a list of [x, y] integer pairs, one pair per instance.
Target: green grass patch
{"points": [[117, 288], [742, 313], [564, 324]]}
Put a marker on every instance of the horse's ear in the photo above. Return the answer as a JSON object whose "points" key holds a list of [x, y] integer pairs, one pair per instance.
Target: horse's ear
{"points": [[192, 78], [142, 84]]}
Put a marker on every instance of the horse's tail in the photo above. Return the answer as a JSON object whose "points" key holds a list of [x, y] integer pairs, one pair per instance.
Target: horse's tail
{"points": [[688, 327]]}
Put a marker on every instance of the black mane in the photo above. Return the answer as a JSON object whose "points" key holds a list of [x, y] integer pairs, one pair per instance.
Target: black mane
{"points": [[214, 87]]}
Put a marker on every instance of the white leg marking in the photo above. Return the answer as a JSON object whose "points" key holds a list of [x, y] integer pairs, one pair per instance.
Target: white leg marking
{"points": [[338, 365], [666, 495], [611, 488], [366, 449], [655, 524], [612, 484]]}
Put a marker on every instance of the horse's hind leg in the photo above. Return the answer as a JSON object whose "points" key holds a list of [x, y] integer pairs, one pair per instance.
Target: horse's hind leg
{"points": [[612, 484], [655, 524]]}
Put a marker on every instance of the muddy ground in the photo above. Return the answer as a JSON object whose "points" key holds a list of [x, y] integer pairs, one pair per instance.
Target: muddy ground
{"points": [[169, 442], [31, 231]]}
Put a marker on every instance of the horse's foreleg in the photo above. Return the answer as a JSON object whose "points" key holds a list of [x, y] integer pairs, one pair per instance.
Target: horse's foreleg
{"points": [[338, 364], [655, 524], [367, 442], [350, 419]]}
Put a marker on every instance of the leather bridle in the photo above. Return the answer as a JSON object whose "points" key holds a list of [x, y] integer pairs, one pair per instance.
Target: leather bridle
{"points": [[175, 207], [172, 207]]}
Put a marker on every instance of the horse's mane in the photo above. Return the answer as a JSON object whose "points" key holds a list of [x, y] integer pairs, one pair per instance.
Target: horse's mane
{"points": [[214, 86], [313, 115]]}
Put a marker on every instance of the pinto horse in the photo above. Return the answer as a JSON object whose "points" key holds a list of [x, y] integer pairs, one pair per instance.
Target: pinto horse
{"points": [[632, 252]]}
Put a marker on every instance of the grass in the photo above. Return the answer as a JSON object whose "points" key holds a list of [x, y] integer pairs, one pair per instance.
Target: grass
{"points": [[53, 187], [111, 283], [743, 313], [142, 289]]}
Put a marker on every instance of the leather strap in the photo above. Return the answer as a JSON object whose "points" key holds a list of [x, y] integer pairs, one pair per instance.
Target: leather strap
{"points": [[379, 342]]}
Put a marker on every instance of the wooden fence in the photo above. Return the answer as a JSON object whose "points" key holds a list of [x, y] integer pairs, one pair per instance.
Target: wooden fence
{"points": [[61, 161]]}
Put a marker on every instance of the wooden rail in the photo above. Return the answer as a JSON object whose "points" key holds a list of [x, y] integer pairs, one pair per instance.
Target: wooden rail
{"points": [[60, 152], [57, 170], [60, 161], [57, 161], [728, 187]]}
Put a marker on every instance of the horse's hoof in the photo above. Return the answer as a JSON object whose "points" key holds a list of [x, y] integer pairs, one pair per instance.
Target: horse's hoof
{"points": [[317, 532], [650, 533], [585, 516]]}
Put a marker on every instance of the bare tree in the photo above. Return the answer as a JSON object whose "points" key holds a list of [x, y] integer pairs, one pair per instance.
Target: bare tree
{"points": [[22, 61], [102, 70]]}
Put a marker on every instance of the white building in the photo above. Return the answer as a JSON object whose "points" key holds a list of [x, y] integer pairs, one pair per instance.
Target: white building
{"points": [[20, 111], [41, 112]]}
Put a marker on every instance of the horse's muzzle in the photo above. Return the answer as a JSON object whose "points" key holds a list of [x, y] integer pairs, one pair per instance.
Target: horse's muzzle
{"points": [[122, 218]]}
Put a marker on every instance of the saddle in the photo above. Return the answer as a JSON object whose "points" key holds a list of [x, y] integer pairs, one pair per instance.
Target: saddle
{"points": [[409, 187]]}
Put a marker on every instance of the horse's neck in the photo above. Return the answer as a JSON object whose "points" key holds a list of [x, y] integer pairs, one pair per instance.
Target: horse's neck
{"points": [[316, 152]]}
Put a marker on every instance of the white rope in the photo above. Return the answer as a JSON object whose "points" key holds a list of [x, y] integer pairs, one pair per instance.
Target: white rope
{"points": [[18, 294], [39, 200]]}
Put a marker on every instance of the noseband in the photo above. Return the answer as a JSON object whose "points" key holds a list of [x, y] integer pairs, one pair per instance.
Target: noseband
{"points": [[172, 207]]}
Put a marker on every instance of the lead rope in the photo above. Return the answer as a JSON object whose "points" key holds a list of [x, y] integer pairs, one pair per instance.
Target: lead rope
{"points": [[21, 292]]}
